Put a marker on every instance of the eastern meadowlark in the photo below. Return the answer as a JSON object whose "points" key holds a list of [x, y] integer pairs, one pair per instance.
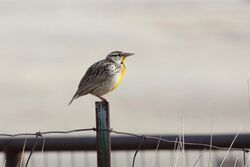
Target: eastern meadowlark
{"points": [[103, 76]]}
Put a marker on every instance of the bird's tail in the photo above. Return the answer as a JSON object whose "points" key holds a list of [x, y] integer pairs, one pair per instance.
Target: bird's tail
{"points": [[73, 98]]}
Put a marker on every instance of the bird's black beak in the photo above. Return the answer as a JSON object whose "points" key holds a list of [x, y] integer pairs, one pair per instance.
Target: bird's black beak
{"points": [[128, 54]]}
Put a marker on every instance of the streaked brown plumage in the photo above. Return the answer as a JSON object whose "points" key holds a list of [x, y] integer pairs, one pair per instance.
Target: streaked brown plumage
{"points": [[103, 76]]}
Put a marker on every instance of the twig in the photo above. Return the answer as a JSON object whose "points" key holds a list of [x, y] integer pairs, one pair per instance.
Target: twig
{"points": [[153, 161], [184, 161], [199, 157], [33, 148], [174, 152], [236, 162], [41, 157], [234, 140], [24, 146], [211, 139], [138, 148]]}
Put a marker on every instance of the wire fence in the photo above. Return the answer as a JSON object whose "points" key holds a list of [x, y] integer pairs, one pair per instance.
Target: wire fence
{"points": [[231, 142]]}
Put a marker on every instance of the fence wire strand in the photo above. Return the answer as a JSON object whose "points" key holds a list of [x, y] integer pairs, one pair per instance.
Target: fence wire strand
{"points": [[142, 137]]}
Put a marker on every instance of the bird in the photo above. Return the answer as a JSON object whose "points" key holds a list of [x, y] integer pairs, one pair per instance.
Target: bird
{"points": [[103, 76]]}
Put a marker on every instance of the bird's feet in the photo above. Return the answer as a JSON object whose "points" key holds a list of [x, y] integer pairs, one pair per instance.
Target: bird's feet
{"points": [[102, 98]]}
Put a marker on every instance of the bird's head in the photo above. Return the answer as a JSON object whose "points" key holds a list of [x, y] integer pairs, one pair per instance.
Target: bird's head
{"points": [[118, 56]]}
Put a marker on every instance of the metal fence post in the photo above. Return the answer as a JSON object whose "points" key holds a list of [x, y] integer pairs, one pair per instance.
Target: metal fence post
{"points": [[12, 158], [102, 134]]}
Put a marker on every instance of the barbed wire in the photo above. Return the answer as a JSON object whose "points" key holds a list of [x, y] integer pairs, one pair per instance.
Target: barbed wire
{"points": [[171, 141], [142, 137], [179, 143], [40, 134], [46, 132]]}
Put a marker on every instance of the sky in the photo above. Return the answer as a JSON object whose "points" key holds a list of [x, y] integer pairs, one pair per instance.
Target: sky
{"points": [[190, 68]]}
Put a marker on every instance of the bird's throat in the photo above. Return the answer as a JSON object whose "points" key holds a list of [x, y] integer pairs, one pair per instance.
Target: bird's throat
{"points": [[120, 77]]}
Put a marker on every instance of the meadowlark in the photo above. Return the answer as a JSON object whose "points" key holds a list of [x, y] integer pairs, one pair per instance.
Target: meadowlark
{"points": [[103, 76]]}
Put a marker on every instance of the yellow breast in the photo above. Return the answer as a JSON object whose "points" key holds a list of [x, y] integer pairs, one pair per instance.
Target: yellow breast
{"points": [[120, 77]]}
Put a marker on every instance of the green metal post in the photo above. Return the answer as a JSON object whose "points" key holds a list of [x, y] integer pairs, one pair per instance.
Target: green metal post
{"points": [[102, 134]]}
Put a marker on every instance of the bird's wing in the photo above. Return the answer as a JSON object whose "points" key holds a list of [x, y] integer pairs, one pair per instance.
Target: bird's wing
{"points": [[96, 74]]}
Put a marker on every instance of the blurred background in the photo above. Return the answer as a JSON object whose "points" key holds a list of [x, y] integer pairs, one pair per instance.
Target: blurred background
{"points": [[192, 59]]}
